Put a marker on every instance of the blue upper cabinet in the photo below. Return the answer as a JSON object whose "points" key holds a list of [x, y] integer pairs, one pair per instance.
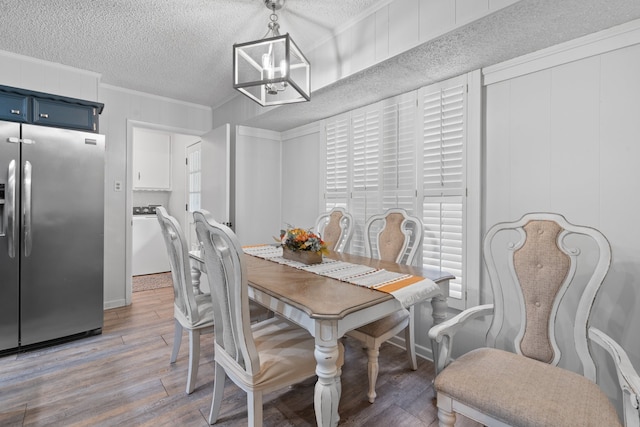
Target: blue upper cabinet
{"points": [[49, 112], [14, 107], [20, 105]]}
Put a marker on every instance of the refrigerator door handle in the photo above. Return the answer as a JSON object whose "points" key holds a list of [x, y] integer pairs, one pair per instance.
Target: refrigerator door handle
{"points": [[26, 206], [11, 210]]}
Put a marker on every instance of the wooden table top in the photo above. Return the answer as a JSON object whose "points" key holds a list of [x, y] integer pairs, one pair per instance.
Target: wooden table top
{"points": [[323, 297]]}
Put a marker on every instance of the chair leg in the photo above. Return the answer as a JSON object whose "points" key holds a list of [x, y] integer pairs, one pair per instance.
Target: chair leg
{"points": [[409, 341], [446, 415], [177, 340], [372, 371], [194, 359], [446, 418], [254, 407], [218, 391]]}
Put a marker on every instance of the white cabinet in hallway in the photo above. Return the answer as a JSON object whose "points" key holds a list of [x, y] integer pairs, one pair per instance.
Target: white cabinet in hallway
{"points": [[151, 160]]}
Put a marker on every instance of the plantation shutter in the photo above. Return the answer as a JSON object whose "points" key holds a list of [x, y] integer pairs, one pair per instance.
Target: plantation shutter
{"points": [[337, 162], [443, 180], [398, 153], [365, 196]]}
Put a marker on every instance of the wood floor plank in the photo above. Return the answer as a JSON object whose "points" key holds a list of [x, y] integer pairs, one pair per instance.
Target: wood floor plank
{"points": [[123, 378]]}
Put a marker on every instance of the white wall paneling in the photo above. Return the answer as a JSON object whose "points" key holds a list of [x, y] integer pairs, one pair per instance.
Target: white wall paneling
{"points": [[34, 74], [258, 176], [363, 50], [301, 176], [216, 173], [404, 26], [574, 140], [564, 138], [530, 139], [436, 18], [382, 34], [470, 10]]}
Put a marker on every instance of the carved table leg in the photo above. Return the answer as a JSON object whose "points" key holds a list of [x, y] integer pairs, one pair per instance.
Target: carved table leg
{"points": [[328, 389], [439, 306], [439, 312]]}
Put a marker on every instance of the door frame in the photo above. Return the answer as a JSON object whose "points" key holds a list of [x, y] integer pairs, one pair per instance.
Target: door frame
{"points": [[131, 124], [188, 216]]}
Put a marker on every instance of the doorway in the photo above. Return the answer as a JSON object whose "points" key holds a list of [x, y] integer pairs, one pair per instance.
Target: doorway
{"points": [[173, 196]]}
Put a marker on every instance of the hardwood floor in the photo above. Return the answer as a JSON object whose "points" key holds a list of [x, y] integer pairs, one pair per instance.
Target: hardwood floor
{"points": [[123, 378]]}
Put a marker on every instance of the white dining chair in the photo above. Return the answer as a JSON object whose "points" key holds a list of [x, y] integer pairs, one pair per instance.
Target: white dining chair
{"points": [[191, 312], [545, 274], [258, 357], [392, 236], [336, 228]]}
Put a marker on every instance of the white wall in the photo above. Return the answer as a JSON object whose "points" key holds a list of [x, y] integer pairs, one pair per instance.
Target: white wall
{"points": [[33, 74], [257, 185], [125, 109], [301, 176], [564, 138]]}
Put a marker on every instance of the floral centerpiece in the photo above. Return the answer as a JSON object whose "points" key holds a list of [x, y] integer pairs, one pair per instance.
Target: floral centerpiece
{"points": [[302, 245]]}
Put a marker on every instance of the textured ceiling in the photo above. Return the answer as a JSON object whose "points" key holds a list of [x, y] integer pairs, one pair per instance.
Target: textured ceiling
{"points": [[181, 49]]}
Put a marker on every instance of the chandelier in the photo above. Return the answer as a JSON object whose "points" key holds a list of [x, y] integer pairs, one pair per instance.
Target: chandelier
{"points": [[272, 70]]}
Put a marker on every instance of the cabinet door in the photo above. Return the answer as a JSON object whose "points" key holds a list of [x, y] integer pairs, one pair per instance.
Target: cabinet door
{"points": [[14, 107], [49, 112], [151, 160]]}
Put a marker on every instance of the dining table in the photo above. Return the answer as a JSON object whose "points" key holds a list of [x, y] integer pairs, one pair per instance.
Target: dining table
{"points": [[328, 308]]}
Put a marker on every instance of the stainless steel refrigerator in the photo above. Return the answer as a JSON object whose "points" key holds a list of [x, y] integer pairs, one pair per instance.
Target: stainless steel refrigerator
{"points": [[51, 234]]}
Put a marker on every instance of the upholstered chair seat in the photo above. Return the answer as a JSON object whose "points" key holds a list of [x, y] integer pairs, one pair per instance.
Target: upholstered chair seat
{"points": [[524, 392]]}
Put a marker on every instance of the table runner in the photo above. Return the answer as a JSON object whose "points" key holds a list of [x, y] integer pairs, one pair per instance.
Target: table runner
{"points": [[406, 288]]}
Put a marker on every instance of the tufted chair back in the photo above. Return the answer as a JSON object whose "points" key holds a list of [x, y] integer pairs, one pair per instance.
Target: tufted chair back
{"points": [[393, 236], [552, 273], [336, 228]]}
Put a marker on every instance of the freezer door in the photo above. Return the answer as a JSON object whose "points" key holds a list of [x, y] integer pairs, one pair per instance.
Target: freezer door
{"points": [[63, 233], [9, 234]]}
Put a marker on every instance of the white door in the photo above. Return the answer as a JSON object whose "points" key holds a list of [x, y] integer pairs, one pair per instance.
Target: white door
{"points": [[193, 178], [216, 178]]}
